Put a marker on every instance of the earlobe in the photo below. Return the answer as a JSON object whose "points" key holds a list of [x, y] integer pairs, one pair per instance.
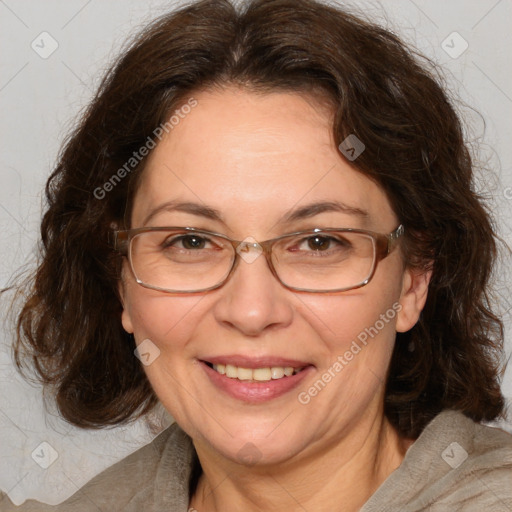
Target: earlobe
{"points": [[125, 315], [413, 297], [126, 321]]}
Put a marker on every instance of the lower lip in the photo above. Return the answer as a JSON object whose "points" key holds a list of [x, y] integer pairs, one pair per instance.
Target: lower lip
{"points": [[255, 392]]}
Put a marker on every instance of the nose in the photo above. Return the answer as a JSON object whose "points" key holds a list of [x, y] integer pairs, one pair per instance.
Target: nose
{"points": [[253, 301]]}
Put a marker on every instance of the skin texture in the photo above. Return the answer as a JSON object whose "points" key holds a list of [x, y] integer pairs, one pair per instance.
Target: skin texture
{"points": [[255, 158]]}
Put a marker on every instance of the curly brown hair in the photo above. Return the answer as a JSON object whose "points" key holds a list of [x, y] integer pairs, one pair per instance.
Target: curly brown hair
{"points": [[380, 90]]}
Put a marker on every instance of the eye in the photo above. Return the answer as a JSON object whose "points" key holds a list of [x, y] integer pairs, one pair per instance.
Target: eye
{"points": [[188, 242], [319, 243], [323, 243]]}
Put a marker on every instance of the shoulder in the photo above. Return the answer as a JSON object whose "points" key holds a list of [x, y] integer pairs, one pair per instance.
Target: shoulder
{"points": [[480, 465], [455, 464], [129, 484], [467, 447], [478, 460]]}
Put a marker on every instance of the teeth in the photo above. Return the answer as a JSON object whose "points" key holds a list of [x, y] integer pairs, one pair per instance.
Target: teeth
{"points": [[244, 373], [277, 372], [231, 371], [261, 374], [257, 374]]}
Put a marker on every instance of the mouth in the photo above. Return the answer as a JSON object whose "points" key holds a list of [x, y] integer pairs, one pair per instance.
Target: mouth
{"points": [[255, 380], [252, 381], [263, 374]]}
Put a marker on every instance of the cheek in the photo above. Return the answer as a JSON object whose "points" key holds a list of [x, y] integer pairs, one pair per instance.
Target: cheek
{"points": [[357, 334], [168, 321], [350, 317], [357, 331]]}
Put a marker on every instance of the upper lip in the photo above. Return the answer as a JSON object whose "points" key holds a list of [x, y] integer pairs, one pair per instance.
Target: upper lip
{"points": [[255, 362]]}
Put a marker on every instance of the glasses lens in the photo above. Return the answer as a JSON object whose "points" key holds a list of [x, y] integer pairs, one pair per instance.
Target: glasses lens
{"points": [[180, 260], [324, 261]]}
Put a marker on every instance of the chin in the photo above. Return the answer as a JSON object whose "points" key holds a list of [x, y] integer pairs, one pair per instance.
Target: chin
{"points": [[263, 443]]}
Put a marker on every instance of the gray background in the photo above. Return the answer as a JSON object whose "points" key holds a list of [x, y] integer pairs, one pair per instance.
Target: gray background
{"points": [[41, 97]]}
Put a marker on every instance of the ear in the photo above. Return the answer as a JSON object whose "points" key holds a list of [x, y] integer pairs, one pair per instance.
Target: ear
{"points": [[412, 298], [126, 319]]}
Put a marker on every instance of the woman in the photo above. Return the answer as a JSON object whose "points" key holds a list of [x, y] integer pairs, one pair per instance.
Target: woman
{"points": [[273, 209]]}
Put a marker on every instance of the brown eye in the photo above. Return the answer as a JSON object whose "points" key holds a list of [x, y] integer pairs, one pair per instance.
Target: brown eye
{"points": [[193, 242], [189, 242], [319, 243]]}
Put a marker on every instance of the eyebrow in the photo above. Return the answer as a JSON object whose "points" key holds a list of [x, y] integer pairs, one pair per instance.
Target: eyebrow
{"points": [[312, 209], [305, 212], [187, 207]]}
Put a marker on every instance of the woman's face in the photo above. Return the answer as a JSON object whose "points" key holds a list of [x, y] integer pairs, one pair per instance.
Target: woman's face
{"points": [[253, 160]]}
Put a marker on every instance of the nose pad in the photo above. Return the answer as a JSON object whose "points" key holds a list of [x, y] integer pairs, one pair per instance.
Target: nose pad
{"points": [[249, 250]]}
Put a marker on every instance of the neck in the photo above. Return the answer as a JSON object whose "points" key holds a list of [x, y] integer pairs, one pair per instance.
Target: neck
{"points": [[347, 470]]}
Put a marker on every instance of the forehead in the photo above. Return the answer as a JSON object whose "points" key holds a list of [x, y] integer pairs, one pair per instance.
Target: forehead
{"points": [[255, 157]]}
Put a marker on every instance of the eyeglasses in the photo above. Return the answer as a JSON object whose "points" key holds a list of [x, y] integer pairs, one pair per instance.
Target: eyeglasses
{"points": [[189, 260]]}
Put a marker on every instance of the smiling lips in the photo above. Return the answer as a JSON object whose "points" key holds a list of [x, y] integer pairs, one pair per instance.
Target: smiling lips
{"points": [[256, 374], [255, 379], [260, 369]]}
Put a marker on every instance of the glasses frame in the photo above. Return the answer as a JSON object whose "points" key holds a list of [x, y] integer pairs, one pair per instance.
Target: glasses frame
{"points": [[384, 245]]}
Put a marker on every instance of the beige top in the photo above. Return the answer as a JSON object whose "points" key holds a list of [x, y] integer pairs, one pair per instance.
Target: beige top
{"points": [[456, 465]]}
